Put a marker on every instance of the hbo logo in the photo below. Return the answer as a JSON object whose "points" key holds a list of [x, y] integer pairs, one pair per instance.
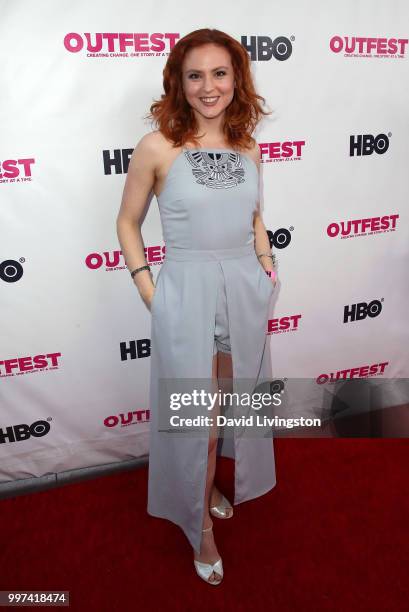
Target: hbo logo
{"points": [[17, 433], [262, 48], [366, 144], [10, 270], [357, 312]]}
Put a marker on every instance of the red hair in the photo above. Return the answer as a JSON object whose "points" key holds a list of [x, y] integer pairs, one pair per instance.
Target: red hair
{"points": [[174, 116]]}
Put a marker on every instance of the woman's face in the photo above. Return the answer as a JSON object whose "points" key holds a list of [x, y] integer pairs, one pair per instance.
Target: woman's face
{"points": [[207, 72]]}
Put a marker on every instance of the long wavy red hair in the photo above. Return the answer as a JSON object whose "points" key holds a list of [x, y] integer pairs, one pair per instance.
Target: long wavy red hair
{"points": [[174, 116]]}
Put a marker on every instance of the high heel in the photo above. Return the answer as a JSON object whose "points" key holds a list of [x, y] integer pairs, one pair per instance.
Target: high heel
{"points": [[205, 570], [219, 511]]}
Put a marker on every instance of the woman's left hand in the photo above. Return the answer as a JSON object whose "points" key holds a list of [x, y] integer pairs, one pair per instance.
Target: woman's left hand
{"points": [[272, 276]]}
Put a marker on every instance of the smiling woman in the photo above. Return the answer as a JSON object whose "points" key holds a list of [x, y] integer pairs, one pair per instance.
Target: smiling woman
{"points": [[220, 73], [214, 65], [211, 300]]}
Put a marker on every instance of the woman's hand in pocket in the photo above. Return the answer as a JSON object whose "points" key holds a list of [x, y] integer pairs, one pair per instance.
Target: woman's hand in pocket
{"points": [[272, 275], [147, 297]]}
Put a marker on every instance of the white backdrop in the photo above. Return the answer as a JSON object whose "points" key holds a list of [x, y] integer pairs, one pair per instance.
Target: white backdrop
{"points": [[75, 350]]}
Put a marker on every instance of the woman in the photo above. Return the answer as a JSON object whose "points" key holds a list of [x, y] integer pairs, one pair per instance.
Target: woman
{"points": [[210, 305]]}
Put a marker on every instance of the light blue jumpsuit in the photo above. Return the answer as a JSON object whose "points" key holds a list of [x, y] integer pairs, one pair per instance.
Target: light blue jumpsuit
{"points": [[211, 292]]}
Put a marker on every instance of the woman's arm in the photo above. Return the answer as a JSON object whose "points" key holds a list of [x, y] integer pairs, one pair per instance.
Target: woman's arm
{"points": [[138, 186], [262, 242], [261, 239]]}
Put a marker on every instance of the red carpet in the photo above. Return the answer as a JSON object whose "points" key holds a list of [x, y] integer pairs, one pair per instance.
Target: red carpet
{"points": [[332, 535]]}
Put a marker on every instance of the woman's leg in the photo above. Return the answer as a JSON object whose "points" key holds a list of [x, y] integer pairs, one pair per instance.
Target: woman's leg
{"points": [[208, 549], [225, 382]]}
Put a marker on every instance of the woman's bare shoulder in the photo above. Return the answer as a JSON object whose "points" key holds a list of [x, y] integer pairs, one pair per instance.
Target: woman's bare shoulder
{"points": [[150, 143], [154, 143], [151, 153], [254, 153]]}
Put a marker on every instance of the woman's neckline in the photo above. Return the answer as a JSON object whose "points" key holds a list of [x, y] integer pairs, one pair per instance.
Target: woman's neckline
{"points": [[184, 149], [220, 149], [210, 149]]}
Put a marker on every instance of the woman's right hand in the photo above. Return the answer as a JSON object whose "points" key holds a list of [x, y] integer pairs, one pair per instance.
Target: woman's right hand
{"points": [[145, 286], [147, 297]]}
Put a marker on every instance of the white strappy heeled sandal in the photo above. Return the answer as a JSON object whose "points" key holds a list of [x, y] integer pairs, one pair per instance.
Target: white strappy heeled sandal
{"points": [[205, 570], [219, 511]]}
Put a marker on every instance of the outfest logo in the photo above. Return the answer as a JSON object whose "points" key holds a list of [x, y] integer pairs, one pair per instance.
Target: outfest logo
{"points": [[287, 151], [16, 170], [142, 44], [362, 227], [134, 417], [114, 260], [120, 44], [362, 46], [363, 371], [283, 324], [30, 364]]}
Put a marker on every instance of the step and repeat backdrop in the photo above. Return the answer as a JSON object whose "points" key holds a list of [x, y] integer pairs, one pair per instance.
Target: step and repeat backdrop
{"points": [[77, 80]]}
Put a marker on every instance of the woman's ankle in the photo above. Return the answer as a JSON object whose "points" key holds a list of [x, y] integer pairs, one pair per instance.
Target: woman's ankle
{"points": [[207, 522]]}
